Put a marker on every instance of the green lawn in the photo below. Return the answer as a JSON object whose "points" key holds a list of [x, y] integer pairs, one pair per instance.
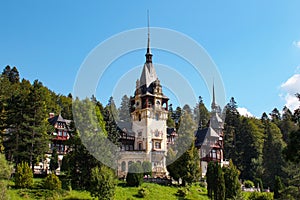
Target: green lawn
{"points": [[154, 191]]}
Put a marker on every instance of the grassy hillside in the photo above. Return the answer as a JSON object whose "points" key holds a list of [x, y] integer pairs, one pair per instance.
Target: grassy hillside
{"points": [[154, 191]]}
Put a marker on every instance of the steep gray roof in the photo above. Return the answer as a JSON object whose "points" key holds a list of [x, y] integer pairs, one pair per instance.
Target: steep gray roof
{"points": [[148, 74], [208, 133]]}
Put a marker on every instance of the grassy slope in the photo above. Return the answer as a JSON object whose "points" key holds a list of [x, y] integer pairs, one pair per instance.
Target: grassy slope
{"points": [[122, 193]]}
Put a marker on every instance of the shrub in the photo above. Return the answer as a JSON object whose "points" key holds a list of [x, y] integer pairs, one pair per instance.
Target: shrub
{"points": [[103, 183], [52, 182], [143, 192], [249, 184], [135, 175], [4, 175], [3, 190], [261, 196], [182, 192], [23, 176]]}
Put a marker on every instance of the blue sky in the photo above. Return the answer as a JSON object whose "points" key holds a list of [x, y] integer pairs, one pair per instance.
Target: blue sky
{"points": [[255, 44]]}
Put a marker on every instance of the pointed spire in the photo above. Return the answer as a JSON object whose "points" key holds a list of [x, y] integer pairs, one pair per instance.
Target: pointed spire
{"points": [[213, 104], [148, 54]]}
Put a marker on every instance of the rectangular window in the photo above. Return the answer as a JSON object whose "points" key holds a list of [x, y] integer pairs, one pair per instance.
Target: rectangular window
{"points": [[157, 145], [59, 133]]}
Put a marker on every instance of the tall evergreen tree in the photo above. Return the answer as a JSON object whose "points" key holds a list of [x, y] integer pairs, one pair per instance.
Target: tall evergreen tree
{"points": [[275, 116], [231, 131], [210, 179], [54, 161], [232, 184], [177, 117], [113, 109], [287, 125], [124, 110], [201, 114], [272, 154], [185, 154], [219, 193], [170, 120], [111, 127], [249, 145]]}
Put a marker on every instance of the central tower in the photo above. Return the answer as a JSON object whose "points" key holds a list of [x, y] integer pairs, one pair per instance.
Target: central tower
{"points": [[149, 113]]}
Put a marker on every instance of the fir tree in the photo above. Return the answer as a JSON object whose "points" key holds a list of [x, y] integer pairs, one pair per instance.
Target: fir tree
{"points": [[124, 110], [54, 161]]}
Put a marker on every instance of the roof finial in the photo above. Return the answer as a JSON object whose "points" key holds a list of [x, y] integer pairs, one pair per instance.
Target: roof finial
{"points": [[148, 54]]}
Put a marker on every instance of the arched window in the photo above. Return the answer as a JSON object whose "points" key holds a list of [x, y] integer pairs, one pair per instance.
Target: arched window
{"points": [[129, 163], [123, 166], [139, 162]]}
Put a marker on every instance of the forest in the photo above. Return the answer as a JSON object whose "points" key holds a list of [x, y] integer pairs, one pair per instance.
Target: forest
{"points": [[265, 150]]}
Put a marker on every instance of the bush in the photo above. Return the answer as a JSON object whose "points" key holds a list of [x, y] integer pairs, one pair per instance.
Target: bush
{"points": [[261, 196], [143, 192], [135, 176], [249, 184], [52, 182], [4, 175], [103, 183], [23, 176], [182, 192], [3, 190]]}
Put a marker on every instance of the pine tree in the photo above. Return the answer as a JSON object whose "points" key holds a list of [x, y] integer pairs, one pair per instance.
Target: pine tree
{"points": [[103, 183], [272, 154], [23, 176], [113, 109], [210, 179], [201, 114], [124, 110], [111, 127], [170, 120], [231, 131], [54, 161], [232, 184], [219, 193], [278, 187]]}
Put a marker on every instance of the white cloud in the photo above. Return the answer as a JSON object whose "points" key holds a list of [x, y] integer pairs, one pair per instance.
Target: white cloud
{"points": [[291, 87], [244, 112], [297, 43]]}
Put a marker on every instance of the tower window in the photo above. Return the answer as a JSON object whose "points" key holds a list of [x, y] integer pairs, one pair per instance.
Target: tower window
{"points": [[157, 116], [140, 117], [140, 146], [157, 145]]}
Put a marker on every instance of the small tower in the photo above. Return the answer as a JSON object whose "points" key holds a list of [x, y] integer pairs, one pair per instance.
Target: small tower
{"points": [[209, 140]]}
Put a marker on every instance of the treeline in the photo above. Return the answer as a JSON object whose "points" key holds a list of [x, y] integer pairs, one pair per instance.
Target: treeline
{"points": [[24, 109], [265, 150]]}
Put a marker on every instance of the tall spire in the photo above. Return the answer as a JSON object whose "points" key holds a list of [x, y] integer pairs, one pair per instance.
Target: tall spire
{"points": [[213, 104], [148, 54]]}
